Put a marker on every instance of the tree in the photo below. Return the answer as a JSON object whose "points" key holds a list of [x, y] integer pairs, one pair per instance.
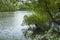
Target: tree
{"points": [[8, 5], [44, 15]]}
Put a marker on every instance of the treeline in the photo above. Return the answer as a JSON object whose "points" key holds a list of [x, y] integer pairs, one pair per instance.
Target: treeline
{"points": [[12, 5]]}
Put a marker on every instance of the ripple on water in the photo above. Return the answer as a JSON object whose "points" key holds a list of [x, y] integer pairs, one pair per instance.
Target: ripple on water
{"points": [[10, 27]]}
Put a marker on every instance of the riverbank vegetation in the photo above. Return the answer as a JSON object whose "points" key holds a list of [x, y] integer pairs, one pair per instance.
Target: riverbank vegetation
{"points": [[12, 5], [44, 22], [8, 5]]}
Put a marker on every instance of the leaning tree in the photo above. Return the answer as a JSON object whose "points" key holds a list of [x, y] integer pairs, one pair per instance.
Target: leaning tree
{"points": [[44, 14]]}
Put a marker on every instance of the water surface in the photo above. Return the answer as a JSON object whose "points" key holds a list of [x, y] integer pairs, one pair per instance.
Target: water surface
{"points": [[10, 25]]}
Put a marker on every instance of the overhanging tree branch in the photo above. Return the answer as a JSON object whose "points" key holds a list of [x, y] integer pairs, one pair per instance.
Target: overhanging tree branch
{"points": [[47, 9]]}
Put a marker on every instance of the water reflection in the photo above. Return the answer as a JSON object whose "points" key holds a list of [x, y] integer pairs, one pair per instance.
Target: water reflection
{"points": [[10, 25], [6, 14]]}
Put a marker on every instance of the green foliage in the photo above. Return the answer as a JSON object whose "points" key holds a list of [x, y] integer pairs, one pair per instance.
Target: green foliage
{"points": [[41, 17], [8, 5], [41, 6], [36, 19]]}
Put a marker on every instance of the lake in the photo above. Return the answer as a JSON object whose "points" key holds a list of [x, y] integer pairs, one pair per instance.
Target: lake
{"points": [[10, 25]]}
